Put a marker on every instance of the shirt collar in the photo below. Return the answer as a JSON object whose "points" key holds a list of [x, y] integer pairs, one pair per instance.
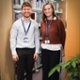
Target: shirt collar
{"points": [[54, 18], [24, 20]]}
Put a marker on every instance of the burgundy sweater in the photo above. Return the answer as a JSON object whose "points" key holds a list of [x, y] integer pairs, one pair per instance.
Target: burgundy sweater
{"points": [[56, 34]]}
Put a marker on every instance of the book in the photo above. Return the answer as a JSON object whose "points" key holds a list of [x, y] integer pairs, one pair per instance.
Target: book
{"points": [[17, 14], [34, 4]]}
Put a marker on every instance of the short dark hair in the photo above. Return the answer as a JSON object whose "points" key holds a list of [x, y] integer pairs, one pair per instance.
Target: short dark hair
{"points": [[26, 4]]}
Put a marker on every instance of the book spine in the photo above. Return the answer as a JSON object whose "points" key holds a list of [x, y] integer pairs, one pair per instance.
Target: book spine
{"points": [[34, 4], [21, 2]]}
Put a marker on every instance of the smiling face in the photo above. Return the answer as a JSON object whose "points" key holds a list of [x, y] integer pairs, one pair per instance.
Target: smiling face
{"points": [[48, 10], [26, 11]]}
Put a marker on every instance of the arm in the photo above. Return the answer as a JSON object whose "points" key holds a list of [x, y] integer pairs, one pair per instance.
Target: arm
{"points": [[62, 34], [13, 41], [37, 41]]}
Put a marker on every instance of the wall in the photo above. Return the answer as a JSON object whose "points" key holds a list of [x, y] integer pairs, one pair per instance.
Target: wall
{"points": [[73, 29], [0, 44], [7, 69], [72, 46], [0, 39]]}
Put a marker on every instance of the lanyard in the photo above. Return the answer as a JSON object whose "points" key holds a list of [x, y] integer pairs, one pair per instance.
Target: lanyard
{"points": [[48, 27], [26, 31]]}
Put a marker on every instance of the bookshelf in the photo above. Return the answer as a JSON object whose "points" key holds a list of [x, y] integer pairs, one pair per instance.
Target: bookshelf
{"points": [[37, 8]]}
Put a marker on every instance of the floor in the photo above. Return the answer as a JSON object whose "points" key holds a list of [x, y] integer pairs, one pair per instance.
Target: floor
{"points": [[37, 75]]}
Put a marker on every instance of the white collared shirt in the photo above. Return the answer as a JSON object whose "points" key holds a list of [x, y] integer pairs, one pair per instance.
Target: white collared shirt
{"points": [[17, 35]]}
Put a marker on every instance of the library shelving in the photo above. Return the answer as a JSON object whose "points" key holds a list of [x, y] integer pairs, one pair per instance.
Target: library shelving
{"points": [[37, 7]]}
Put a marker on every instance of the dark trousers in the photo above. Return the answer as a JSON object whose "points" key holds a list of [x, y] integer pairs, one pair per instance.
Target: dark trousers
{"points": [[49, 60], [25, 63]]}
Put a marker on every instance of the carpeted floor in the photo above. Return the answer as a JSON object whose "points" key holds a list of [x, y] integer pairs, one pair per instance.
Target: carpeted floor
{"points": [[37, 75]]}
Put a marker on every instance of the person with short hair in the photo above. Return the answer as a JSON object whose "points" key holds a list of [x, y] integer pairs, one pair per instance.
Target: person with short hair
{"points": [[24, 42]]}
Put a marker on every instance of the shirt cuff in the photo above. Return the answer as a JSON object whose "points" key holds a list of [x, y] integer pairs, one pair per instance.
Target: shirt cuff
{"points": [[14, 52]]}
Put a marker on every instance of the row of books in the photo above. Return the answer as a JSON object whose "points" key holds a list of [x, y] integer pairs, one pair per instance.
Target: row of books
{"points": [[35, 3], [38, 4], [36, 11]]}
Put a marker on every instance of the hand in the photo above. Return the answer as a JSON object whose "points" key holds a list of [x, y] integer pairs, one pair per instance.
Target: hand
{"points": [[63, 53], [35, 56], [15, 57]]}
